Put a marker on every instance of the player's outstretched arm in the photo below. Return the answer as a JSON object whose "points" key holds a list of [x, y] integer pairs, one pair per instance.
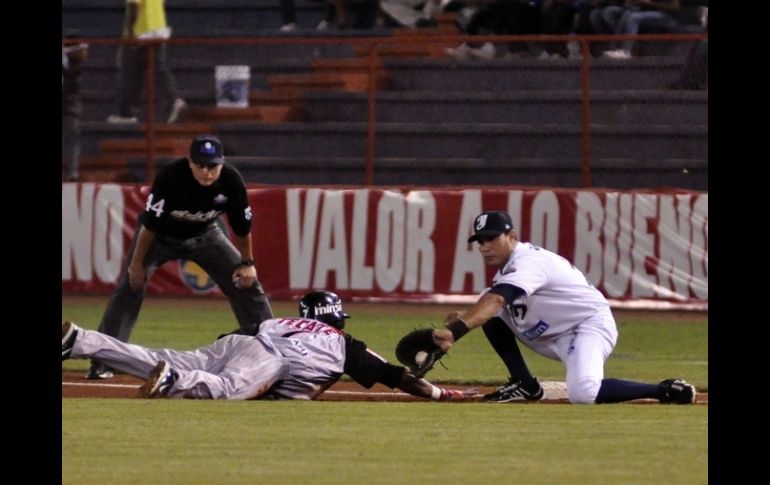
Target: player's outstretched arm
{"points": [[460, 323], [422, 388]]}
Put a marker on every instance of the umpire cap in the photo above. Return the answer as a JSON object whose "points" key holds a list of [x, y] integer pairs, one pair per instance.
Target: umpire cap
{"points": [[207, 149], [491, 224]]}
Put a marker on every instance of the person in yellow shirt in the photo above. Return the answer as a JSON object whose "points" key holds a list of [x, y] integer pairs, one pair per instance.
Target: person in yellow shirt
{"points": [[146, 20]]}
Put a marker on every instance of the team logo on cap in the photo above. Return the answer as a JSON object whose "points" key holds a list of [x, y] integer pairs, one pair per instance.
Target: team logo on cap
{"points": [[208, 148], [327, 309], [481, 221]]}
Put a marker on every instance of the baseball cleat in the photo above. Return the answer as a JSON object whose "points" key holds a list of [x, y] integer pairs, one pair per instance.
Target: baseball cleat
{"points": [[69, 332], [676, 391], [517, 391], [99, 371], [159, 383]]}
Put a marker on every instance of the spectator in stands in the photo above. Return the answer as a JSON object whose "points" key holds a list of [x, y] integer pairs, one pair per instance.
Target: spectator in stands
{"points": [[411, 13], [72, 58], [288, 15], [144, 19], [355, 14], [694, 74], [502, 17], [654, 15], [603, 18], [558, 19]]}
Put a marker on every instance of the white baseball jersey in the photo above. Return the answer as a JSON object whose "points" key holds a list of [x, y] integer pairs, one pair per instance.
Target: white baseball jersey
{"points": [[558, 296]]}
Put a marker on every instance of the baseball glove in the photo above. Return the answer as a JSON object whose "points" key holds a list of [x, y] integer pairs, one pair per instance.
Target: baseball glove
{"points": [[417, 351]]}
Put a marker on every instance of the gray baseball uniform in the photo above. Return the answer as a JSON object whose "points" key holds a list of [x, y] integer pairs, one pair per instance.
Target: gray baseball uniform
{"points": [[292, 358]]}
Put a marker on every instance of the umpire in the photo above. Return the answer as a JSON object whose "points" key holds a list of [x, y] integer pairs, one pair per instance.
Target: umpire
{"points": [[179, 221]]}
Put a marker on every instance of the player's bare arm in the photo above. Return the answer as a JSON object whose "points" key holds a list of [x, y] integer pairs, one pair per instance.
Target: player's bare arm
{"points": [[137, 274], [458, 315], [245, 275], [422, 388], [485, 308]]}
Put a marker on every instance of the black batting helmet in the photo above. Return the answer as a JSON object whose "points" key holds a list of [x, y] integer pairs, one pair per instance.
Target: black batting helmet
{"points": [[323, 306]]}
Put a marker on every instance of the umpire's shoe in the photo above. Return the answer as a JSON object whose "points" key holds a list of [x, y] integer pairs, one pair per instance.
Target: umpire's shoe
{"points": [[160, 381], [69, 332], [517, 390], [99, 371], [676, 391]]}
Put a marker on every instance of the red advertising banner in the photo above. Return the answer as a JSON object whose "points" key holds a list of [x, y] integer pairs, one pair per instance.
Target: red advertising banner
{"points": [[410, 244]]}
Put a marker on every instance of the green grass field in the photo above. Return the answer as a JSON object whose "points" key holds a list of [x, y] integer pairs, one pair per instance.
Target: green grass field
{"points": [[205, 442]]}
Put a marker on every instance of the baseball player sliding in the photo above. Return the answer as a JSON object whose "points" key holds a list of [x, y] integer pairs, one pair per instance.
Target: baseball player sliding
{"points": [[539, 299], [287, 358]]}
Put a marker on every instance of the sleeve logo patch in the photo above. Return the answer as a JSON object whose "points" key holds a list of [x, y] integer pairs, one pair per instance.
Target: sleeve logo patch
{"points": [[536, 331]]}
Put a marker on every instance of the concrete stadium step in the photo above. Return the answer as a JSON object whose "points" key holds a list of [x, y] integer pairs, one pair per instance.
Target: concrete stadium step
{"points": [[611, 173], [354, 64], [441, 29], [94, 133], [298, 83], [261, 57], [530, 74], [607, 107], [411, 67], [264, 113], [618, 173], [324, 81], [195, 76], [99, 104], [257, 97], [104, 168], [390, 51], [448, 140], [164, 147], [188, 129]]}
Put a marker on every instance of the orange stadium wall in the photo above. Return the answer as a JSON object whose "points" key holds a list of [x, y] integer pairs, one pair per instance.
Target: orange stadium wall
{"points": [[409, 244]]}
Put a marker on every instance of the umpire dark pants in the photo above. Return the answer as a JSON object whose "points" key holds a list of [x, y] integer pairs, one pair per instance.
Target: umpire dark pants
{"points": [[214, 253]]}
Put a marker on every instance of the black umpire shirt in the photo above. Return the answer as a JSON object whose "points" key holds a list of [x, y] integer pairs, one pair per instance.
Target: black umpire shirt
{"points": [[179, 207]]}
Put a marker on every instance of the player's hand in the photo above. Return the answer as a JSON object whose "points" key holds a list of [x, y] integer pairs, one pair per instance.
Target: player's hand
{"points": [[458, 394], [443, 338], [454, 316], [245, 277], [136, 276]]}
